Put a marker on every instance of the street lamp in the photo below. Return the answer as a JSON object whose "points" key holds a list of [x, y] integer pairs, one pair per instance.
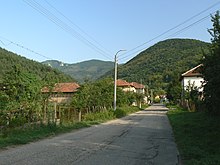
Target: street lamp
{"points": [[115, 82]]}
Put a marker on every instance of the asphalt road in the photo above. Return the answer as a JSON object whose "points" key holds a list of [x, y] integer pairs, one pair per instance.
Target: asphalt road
{"points": [[144, 137]]}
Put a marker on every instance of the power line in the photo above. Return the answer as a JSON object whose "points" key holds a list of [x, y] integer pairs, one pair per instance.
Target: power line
{"points": [[23, 47], [38, 7], [187, 20], [174, 34], [85, 33], [187, 27], [4, 43], [64, 26]]}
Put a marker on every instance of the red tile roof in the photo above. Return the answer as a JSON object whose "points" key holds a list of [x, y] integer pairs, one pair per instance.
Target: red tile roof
{"points": [[63, 88], [122, 83], [196, 71], [137, 85]]}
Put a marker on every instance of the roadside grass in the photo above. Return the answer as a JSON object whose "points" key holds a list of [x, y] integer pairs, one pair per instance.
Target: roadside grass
{"points": [[32, 133], [197, 135], [15, 136]]}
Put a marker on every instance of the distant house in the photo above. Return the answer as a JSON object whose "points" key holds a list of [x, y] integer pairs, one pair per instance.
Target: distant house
{"points": [[125, 86], [131, 87], [61, 92], [140, 88], [192, 77]]}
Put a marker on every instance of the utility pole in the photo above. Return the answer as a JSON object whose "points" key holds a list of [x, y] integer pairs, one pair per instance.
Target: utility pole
{"points": [[115, 80]]}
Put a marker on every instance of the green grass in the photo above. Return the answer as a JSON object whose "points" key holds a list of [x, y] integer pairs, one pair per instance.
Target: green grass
{"points": [[37, 132], [110, 114], [197, 135]]}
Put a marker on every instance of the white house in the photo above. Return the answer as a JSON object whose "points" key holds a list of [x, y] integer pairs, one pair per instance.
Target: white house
{"points": [[140, 88], [193, 77]]}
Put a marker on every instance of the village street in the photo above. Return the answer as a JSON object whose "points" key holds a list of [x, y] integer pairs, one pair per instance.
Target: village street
{"points": [[144, 137]]}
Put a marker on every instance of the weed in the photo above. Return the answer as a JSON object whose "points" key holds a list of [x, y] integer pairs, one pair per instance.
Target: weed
{"points": [[197, 135]]}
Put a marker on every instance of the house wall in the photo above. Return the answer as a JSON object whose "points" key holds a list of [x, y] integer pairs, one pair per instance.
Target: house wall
{"points": [[129, 89], [140, 91], [61, 98], [197, 80]]}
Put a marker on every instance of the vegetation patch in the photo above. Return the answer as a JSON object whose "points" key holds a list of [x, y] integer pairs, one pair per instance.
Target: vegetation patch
{"points": [[110, 114], [197, 135], [24, 135], [14, 136]]}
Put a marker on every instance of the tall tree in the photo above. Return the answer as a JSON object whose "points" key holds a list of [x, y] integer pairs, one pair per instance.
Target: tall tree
{"points": [[174, 89], [22, 93], [212, 68]]}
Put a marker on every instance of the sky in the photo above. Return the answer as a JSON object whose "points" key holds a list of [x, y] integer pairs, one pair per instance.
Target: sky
{"points": [[73, 31]]}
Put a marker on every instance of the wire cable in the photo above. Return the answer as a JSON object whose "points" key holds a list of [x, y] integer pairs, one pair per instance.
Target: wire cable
{"points": [[187, 27], [80, 29], [172, 35], [169, 30], [23, 47], [38, 7]]}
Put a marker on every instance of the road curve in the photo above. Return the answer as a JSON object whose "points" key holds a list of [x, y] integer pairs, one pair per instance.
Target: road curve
{"points": [[144, 138]]}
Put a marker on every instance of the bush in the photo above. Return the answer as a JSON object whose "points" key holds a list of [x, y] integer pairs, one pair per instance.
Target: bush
{"points": [[157, 100], [110, 114], [120, 113], [99, 116]]}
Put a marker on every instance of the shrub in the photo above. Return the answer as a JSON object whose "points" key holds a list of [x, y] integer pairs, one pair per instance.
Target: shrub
{"points": [[157, 100], [99, 116], [120, 113]]}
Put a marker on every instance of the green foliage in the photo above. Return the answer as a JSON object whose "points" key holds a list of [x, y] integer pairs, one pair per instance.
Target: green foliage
{"points": [[28, 133], [124, 111], [196, 135], [110, 114], [156, 100], [21, 81], [99, 116], [174, 90], [98, 95], [21, 97], [82, 71], [92, 97], [192, 97], [4, 99], [162, 63], [139, 98], [212, 69], [124, 98], [9, 59], [21, 86], [120, 113]]}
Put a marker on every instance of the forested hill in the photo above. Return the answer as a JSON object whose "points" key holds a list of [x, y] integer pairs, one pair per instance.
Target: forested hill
{"points": [[162, 62], [86, 70], [9, 59]]}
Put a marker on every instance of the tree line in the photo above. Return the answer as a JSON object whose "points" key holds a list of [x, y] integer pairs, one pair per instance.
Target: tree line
{"points": [[23, 102]]}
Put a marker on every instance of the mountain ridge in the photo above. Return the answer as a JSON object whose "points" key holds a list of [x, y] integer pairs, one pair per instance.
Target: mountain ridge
{"points": [[159, 64], [82, 71], [9, 59]]}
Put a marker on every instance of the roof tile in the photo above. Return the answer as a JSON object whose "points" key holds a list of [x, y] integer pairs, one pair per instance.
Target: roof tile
{"points": [[63, 88]]}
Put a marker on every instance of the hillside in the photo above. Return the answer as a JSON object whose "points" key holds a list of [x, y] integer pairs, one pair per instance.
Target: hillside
{"points": [[9, 59], [87, 70], [162, 62]]}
